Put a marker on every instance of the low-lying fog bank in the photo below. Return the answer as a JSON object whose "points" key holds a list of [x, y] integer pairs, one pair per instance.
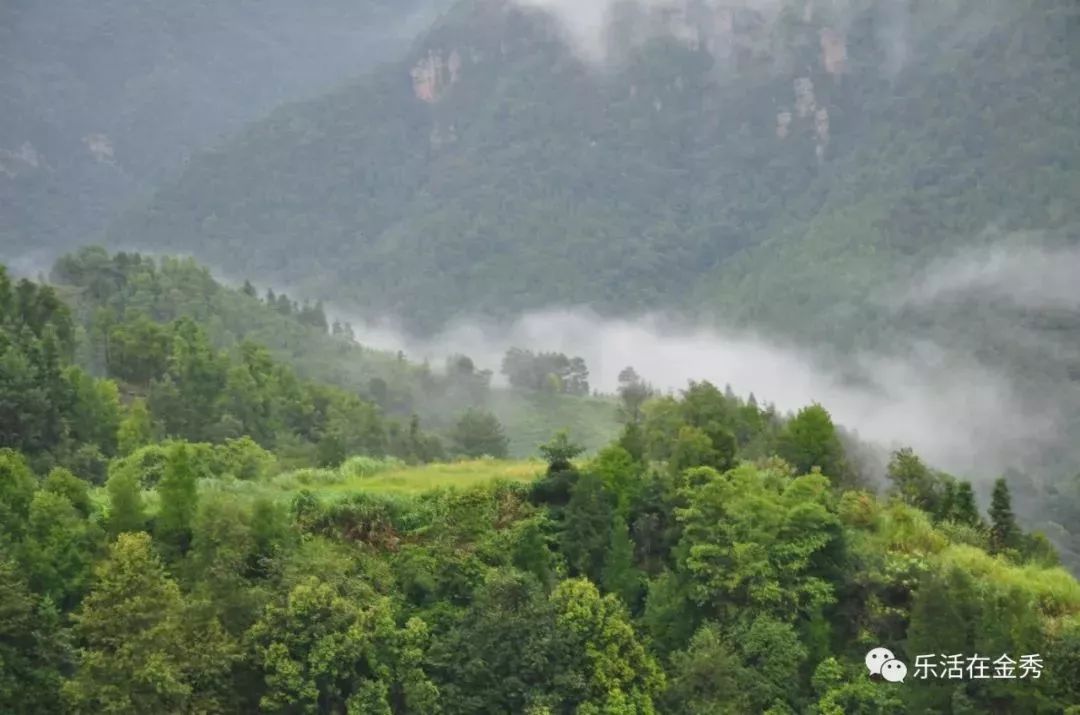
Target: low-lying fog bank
{"points": [[959, 414]]}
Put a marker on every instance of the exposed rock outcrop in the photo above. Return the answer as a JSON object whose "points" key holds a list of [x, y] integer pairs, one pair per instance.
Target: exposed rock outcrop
{"points": [[434, 75]]}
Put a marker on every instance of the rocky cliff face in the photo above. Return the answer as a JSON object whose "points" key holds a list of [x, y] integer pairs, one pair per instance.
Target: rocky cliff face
{"points": [[435, 74], [793, 45]]}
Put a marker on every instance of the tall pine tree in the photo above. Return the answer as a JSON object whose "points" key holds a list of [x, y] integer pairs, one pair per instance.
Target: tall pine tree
{"points": [[1004, 533]]}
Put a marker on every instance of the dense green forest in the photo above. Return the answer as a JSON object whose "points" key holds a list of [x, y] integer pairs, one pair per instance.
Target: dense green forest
{"points": [[766, 167], [168, 544], [217, 498]]}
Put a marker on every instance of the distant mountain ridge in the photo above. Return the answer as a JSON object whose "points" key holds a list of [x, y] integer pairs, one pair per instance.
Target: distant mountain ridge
{"points": [[772, 162], [101, 101]]}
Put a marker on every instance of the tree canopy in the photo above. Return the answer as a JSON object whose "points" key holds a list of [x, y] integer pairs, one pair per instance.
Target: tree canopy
{"points": [[219, 535]]}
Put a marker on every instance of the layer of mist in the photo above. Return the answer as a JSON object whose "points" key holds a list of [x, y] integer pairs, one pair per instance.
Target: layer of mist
{"points": [[1029, 276], [587, 23], [959, 411], [959, 414]]}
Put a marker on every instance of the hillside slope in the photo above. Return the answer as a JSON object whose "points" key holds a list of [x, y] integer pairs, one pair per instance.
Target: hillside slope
{"points": [[102, 101], [769, 165], [108, 289], [155, 557]]}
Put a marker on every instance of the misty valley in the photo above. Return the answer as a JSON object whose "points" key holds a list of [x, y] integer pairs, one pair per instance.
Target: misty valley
{"points": [[606, 357]]}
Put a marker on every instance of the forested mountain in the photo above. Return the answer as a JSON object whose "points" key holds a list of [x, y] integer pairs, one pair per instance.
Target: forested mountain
{"points": [[216, 499], [715, 558], [791, 166], [123, 303], [774, 162], [101, 101]]}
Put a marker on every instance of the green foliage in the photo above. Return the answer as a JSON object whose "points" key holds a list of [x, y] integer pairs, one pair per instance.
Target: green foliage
{"points": [[138, 351], [178, 494], [17, 485], [532, 549], [606, 667], [708, 678], [95, 411], [773, 654], [224, 552], [479, 434], [33, 648], [560, 451], [126, 509], [145, 466], [844, 688], [1004, 533], [63, 483], [364, 467], [964, 510], [693, 447], [705, 428], [759, 540], [46, 407], [244, 459], [695, 573], [547, 372], [933, 492], [136, 428], [619, 575], [621, 475], [809, 440], [322, 652], [913, 481], [498, 656], [114, 291], [586, 528], [59, 548], [144, 648]]}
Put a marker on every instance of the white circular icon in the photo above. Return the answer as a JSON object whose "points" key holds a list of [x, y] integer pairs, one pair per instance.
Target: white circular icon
{"points": [[894, 671], [877, 658]]}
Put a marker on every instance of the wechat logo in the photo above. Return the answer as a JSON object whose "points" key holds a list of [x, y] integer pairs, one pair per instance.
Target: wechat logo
{"points": [[883, 663]]}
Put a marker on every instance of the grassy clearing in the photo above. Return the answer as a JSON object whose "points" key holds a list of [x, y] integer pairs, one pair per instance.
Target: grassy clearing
{"points": [[391, 477], [364, 474], [428, 477]]}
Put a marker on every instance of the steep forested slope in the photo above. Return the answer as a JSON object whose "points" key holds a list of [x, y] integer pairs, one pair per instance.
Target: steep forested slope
{"points": [[119, 299], [101, 101], [775, 163]]}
